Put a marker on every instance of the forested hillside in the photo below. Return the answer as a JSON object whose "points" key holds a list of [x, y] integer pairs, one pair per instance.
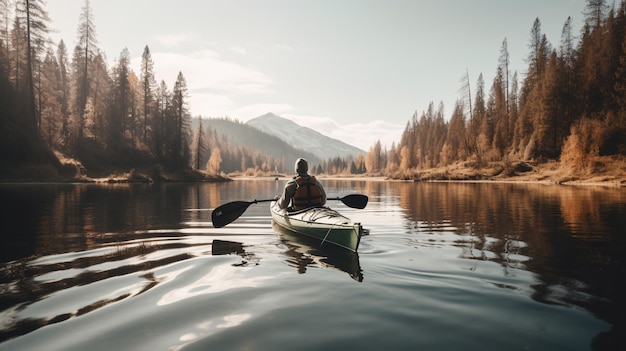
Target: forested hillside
{"points": [[241, 148], [570, 106], [229, 146]]}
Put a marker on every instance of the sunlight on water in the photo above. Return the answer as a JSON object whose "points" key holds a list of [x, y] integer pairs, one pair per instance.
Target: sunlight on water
{"points": [[442, 266], [218, 279]]}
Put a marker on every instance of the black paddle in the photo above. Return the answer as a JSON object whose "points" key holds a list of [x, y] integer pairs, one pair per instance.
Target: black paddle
{"points": [[228, 212]]}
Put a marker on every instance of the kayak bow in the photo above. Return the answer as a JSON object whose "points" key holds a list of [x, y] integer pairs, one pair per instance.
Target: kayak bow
{"points": [[322, 223]]}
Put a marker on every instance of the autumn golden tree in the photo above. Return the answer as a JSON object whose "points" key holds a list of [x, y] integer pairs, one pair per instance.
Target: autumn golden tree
{"points": [[454, 146], [213, 165]]}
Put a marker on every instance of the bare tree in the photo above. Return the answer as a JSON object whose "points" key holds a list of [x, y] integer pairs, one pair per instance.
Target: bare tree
{"points": [[595, 12]]}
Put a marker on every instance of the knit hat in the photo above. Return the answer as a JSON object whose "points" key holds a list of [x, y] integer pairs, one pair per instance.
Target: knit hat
{"points": [[302, 166]]}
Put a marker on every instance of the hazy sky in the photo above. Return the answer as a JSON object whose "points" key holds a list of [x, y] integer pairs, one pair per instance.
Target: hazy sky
{"points": [[355, 70]]}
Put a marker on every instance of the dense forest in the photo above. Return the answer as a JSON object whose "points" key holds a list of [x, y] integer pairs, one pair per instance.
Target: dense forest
{"points": [[107, 118], [570, 107], [63, 109], [97, 120]]}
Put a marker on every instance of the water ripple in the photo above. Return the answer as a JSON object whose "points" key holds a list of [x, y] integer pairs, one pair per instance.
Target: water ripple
{"points": [[54, 288]]}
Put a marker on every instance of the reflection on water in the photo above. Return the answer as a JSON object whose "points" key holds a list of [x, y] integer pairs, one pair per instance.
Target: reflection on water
{"points": [[304, 251], [543, 228], [70, 251], [572, 238]]}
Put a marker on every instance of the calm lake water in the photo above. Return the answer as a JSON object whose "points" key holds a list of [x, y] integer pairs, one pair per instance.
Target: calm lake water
{"points": [[445, 266]]}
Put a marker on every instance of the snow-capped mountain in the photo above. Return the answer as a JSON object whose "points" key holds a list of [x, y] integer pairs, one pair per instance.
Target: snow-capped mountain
{"points": [[303, 138]]}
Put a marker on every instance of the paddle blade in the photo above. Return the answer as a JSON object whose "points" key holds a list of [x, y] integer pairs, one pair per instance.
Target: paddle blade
{"points": [[227, 213], [355, 201]]}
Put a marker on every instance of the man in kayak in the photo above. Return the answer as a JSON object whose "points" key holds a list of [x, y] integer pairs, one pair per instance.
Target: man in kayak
{"points": [[302, 191]]}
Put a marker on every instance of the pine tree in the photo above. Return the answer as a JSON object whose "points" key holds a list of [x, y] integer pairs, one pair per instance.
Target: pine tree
{"points": [[530, 92], [504, 62], [180, 121], [513, 106], [454, 146], [161, 111], [409, 141], [437, 135], [35, 17], [18, 53], [100, 87], [198, 146], [619, 90], [595, 12], [537, 59], [5, 36], [133, 95], [148, 85], [546, 136], [567, 75], [500, 113], [485, 139], [477, 116], [120, 106], [62, 61], [83, 55], [51, 97]]}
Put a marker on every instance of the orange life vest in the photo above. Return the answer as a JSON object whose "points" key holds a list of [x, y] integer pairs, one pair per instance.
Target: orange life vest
{"points": [[308, 193]]}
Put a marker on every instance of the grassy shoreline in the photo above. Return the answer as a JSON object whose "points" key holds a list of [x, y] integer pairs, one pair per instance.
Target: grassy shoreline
{"points": [[601, 171], [606, 171]]}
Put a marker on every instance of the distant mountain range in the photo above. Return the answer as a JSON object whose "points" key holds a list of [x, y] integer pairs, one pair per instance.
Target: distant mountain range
{"points": [[280, 138], [304, 138], [238, 133]]}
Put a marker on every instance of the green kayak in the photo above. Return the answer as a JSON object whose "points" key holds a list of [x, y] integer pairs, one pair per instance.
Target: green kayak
{"points": [[322, 223]]}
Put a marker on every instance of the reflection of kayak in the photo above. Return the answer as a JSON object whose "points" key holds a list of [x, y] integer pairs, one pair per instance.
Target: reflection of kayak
{"points": [[303, 251], [321, 223]]}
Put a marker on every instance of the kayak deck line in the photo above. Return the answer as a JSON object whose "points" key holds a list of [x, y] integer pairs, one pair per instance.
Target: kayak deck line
{"points": [[317, 213], [321, 223], [328, 232]]}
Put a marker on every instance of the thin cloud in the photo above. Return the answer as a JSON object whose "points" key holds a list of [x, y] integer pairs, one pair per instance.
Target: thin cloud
{"points": [[361, 135], [205, 71], [239, 50], [284, 47], [219, 105], [174, 40], [214, 85]]}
